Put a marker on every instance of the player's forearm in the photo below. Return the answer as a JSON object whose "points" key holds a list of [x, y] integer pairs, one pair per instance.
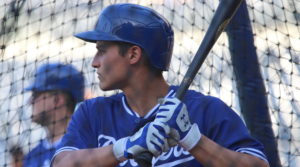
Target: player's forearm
{"points": [[211, 154], [102, 157]]}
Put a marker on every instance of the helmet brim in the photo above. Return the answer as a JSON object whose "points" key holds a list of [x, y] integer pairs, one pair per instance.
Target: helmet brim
{"points": [[29, 88], [94, 36], [34, 88]]}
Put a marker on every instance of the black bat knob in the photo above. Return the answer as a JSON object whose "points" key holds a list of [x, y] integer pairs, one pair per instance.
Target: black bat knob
{"points": [[144, 159]]}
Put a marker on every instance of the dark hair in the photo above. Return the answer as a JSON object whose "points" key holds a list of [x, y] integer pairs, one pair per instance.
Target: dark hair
{"points": [[123, 48], [16, 150], [70, 101]]}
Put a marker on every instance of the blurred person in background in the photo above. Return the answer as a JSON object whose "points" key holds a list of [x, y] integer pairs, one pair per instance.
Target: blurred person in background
{"points": [[56, 90], [17, 155]]}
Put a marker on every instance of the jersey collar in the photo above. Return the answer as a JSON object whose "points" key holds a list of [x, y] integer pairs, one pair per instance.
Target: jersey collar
{"points": [[149, 114], [47, 144]]}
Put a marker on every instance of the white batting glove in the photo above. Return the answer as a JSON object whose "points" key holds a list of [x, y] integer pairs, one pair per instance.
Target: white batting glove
{"points": [[174, 113], [152, 137]]}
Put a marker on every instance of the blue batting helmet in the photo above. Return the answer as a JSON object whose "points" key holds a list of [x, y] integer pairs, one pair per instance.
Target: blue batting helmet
{"points": [[57, 76], [137, 25]]}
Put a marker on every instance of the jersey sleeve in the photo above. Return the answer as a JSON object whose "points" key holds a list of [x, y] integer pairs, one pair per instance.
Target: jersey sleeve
{"points": [[79, 134], [227, 129]]}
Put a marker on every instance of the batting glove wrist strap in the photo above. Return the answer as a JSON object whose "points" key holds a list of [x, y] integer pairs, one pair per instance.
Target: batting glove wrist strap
{"points": [[192, 138], [119, 148]]}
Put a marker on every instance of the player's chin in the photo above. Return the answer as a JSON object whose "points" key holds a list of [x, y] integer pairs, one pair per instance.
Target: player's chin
{"points": [[105, 87], [41, 119]]}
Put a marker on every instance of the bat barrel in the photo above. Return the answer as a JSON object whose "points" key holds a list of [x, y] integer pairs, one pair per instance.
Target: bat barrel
{"points": [[220, 20]]}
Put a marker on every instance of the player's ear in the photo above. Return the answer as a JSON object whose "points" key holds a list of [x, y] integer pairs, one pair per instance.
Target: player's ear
{"points": [[134, 54], [59, 99], [56, 98]]}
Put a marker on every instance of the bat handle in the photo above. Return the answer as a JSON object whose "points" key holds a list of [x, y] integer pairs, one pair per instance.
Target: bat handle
{"points": [[144, 159]]}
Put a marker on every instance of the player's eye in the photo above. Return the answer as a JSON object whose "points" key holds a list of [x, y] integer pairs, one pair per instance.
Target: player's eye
{"points": [[100, 52]]}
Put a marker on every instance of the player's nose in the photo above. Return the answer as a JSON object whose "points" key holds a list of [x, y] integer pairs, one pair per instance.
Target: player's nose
{"points": [[96, 62]]}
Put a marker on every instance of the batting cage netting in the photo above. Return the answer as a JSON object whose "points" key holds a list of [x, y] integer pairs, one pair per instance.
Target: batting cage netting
{"points": [[253, 67]]}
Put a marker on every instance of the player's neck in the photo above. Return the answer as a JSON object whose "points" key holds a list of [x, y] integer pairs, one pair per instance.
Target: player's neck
{"points": [[56, 130], [143, 96]]}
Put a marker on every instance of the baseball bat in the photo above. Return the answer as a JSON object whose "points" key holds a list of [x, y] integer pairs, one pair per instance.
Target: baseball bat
{"points": [[225, 11]]}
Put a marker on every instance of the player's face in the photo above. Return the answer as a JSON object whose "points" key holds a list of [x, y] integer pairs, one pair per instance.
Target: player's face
{"points": [[43, 103], [112, 68]]}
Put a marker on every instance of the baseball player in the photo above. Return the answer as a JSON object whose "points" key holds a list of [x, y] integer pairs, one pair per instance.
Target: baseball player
{"points": [[55, 91], [17, 156], [134, 46]]}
